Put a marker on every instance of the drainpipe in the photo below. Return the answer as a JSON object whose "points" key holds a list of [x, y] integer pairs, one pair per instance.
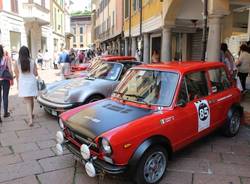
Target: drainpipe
{"points": [[129, 39], [141, 37], [204, 35]]}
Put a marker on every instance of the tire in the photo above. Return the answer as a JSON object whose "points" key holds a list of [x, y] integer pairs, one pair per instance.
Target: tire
{"points": [[155, 161], [232, 125], [93, 98]]}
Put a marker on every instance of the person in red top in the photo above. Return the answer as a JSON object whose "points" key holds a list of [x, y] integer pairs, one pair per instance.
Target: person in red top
{"points": [[5, 64]]}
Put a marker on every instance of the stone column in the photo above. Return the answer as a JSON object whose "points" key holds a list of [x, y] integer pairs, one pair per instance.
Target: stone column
{"points": [[166, 44], [146, 55], [214, 39], [126, 46], [133, 46], [119, 46]]}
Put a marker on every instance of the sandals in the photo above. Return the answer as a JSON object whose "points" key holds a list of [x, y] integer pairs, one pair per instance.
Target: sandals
{"points": [[30, 124]]}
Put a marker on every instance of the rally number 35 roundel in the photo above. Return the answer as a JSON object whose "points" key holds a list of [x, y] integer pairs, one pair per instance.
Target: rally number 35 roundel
{"points": [[203, 113]]}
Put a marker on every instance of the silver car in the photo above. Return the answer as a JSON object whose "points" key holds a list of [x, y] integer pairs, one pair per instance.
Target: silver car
{"points": [[100, 83]]}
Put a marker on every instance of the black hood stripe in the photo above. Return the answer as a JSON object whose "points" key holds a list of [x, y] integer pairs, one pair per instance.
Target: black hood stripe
{"points": [[103, 116]]}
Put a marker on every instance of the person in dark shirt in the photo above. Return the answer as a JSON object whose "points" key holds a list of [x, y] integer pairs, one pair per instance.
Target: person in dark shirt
{"points": [[64, 61]]}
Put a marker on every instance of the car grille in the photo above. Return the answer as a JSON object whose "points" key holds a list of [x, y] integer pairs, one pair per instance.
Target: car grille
{"points": [[82, 140]]}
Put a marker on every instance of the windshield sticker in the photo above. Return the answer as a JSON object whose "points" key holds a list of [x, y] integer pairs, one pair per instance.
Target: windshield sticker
{"points": [[203, 113]]}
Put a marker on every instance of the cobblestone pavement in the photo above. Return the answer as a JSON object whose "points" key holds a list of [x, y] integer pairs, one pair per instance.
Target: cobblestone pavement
{"points": [[27, 155]]}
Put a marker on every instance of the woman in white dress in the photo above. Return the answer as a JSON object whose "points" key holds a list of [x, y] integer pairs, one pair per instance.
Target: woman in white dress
{"points": [[26, 72]]}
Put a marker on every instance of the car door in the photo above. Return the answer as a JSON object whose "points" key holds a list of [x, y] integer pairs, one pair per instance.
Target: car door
{"points": [[220, 97], [185, 117], [194, 116]]}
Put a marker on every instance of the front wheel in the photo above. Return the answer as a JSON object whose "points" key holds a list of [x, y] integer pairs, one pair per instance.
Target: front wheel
{"points": [[232, 126], [93, 99], [152, 166]]}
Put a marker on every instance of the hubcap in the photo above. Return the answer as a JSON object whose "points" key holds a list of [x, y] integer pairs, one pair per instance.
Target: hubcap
{"points": [[235, 123], [154, 167]]}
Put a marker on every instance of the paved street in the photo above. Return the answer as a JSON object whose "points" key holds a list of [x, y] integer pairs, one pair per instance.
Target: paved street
{"points": [[27, 155]]}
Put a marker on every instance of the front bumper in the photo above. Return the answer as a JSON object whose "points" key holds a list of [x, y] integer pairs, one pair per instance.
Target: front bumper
{"points": [[54, 108], [100, 165]]}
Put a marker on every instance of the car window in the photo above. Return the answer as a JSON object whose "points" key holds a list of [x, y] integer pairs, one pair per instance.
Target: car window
{"points": [[148, 86], [108, 71], [183, 95], [196, 85], [219, 80], [127, 66]]}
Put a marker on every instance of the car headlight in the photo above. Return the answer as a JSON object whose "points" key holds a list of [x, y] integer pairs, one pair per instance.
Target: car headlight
{"points": [[59, 137], [106, 147], [61, 123], [85, 152]]}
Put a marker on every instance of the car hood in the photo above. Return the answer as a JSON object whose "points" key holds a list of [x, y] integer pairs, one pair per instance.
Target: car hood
{"points": [[59, 93], [94, 119]]}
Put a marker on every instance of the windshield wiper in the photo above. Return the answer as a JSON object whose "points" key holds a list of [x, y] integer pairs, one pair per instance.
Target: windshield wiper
{"points": [[140, 98], [119, 93]]}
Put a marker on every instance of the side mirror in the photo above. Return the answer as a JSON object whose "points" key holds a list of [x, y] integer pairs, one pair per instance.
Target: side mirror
{"points": [[181, 103]]}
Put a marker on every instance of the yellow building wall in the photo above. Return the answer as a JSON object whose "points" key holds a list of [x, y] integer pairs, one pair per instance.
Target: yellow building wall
{"points": [[151, 8]]}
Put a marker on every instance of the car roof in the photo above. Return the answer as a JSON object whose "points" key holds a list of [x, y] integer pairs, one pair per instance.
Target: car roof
{"points": [[182, 67], [115, 58]]}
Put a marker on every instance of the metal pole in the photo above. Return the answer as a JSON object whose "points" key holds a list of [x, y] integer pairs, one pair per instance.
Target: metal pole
{"points": [[204, 36], [141, 37], [129, 39]]}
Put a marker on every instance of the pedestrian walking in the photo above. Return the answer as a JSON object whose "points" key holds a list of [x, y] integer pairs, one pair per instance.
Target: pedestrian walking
{"points": [[243, 65], [46, 60], [26, 72], [81, 56], [6, 79], [228, 59], [72, 56], [40, 59], [64, 62]]}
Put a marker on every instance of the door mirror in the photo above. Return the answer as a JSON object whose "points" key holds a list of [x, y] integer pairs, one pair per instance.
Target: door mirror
{"points": [[181, 103]]}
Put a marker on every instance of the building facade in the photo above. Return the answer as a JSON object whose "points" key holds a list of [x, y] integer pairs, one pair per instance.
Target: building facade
{"points": [[173, 28], [24, 23], [81, 26], [57, 24], [108, 25], [33, 23]]}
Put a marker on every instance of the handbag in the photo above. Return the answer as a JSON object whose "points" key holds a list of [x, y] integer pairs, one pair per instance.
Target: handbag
{"points": [[40, 84], [4, 72]]}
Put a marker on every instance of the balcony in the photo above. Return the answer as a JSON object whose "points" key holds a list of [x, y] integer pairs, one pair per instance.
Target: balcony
{"points": [[33, 12]]}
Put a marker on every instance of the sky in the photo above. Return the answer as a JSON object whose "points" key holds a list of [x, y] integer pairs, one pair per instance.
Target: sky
{"points": [[80, 5]]}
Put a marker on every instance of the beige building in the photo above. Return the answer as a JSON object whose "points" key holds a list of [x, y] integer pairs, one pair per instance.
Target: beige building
{"points": [[81, 29], [38, 24], [57, 24], [108, 24]]}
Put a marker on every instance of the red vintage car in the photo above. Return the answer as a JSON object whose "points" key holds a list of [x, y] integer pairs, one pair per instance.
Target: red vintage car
{"points": [[82, 70], [156, 110]]}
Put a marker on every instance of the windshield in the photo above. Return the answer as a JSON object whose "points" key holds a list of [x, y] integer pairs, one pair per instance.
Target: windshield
{"points": [[95, 62], [108, 71], [148, 86]]}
